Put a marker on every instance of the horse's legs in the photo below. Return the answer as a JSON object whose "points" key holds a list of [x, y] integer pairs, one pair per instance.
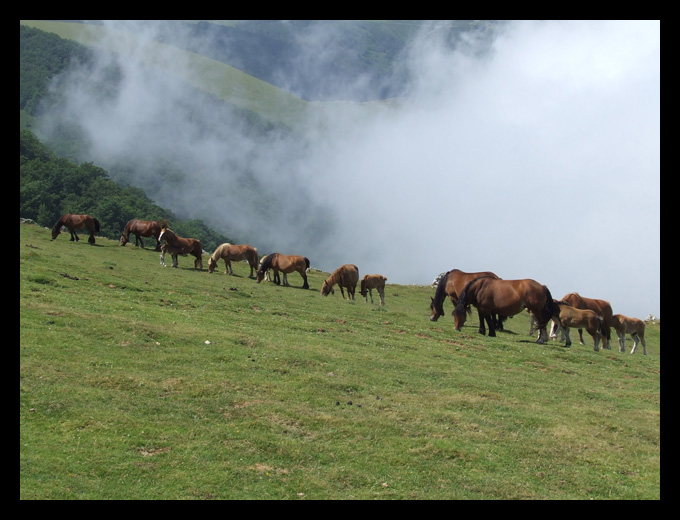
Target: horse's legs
{"points": [[492, 325], [636, 340], [370, 291], [174, 260], [228, 264], [342, 291], [285, 280], [381, 293], [566, 334], [580, 337], [482, 330], [304, 277], [644, 343], [162, 257]]}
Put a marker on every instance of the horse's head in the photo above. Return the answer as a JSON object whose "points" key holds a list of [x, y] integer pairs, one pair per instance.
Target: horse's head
{"points": [[55, 231], [437, 310], [212, 263], [124, 238], [459, 316], [327, 289]]}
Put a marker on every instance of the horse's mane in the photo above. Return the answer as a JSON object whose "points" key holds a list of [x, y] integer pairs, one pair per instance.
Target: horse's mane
{"points": [[463, 296], [218, 252], [59, 223], [440, 292], [267, 262]]}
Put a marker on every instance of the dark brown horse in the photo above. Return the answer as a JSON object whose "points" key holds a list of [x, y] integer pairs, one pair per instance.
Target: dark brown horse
{"points": [[77, 222], [286, 264], [346, 277], [601, 307], [451, 285], [370, 282], [176, 245], [229, 252], [142, 228], [506, 298]]}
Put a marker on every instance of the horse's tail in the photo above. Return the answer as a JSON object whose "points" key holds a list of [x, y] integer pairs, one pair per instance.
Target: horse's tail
{"points": [[603, 329], [97, 227], [306, 262], [551, 308]]}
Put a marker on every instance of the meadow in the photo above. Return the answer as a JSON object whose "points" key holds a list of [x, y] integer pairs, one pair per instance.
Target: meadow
{"points": [[139, 381]]}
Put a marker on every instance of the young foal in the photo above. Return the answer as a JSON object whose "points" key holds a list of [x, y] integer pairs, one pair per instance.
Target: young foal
{"points": [[582, 318], [635, 327], [373, 281]]}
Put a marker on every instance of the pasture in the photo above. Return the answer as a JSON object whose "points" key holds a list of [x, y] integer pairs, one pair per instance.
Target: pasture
{"points": [[139, 381]]}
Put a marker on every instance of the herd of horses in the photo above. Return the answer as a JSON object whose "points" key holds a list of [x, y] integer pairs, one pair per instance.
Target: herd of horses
{"points": [[494, 298]]}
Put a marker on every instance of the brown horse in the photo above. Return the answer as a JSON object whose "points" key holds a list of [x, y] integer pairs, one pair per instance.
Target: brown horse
{"points": [[346, 276], [142, 228], [229, 252], [507, 298], [176, 245], [601, 307], [583, 318], [77, 222], [286, 264], [452, 284], [370, 282], [635, 327]]}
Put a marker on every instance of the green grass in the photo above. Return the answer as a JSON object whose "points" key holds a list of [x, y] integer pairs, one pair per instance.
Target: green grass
{"points": [[139, 381]]}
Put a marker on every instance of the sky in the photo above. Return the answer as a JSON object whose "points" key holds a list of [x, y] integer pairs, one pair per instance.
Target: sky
{"points": [[539, 159]]}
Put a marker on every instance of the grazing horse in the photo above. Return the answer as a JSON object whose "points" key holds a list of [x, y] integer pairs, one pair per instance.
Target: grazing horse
{"points": [[507, 298], [142, 228], [601, 307], [452, 284], [77, 222], [286, 264], [176, 245], [229, 252], [635, 327], [370, 282], [569, 317], [346, 276]]}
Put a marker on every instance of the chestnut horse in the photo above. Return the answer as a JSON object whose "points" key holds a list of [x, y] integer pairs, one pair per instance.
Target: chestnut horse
{"points": [[373, 281], [584, 318], [229, 252], [286, 264], [452, 284], [77, 222], [601, 307], [507, 298], [142, 228], [635, 327], [346, 276], [176, 245]]}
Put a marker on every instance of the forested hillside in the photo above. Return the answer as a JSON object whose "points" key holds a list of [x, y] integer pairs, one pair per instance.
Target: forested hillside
{"points": [[50, 186]]}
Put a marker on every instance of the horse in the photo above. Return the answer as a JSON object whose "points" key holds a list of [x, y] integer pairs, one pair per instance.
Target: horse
{"points": [[601, 307], [370, 282], [176, 245], [77, 222], [570, 316], [635, 327], [142, 228], [507, 298], [286, 264], [452, 284], [229, 252], [346, 276]]}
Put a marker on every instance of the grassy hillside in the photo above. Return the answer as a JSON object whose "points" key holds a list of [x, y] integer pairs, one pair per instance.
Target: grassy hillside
{"points": [[139, 381], [214, 77]]}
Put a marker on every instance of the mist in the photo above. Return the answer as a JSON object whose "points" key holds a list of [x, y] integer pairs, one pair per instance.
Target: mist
{"points": [[534, 155]]}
